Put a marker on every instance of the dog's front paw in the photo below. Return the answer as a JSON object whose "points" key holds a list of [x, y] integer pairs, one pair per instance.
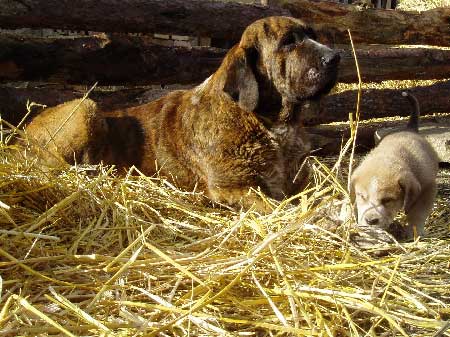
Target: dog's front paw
{"points": [[400, 232]]}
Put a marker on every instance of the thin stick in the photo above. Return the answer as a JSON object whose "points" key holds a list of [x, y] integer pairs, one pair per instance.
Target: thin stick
{"points": [[442, 330], [30, 235], [354, 124], [23, 302], [52, 137]]}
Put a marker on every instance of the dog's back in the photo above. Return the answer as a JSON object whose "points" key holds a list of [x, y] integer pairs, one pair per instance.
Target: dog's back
{"points": [[407, 148]]}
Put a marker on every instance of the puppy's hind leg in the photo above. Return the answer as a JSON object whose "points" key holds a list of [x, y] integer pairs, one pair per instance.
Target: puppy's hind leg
{"points": [[417, 214]]}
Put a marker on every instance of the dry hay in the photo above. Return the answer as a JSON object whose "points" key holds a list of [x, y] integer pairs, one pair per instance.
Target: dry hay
{"points": [[87, 252], [421, 5]]}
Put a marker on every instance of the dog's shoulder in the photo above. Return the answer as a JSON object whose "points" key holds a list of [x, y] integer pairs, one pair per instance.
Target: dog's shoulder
{"points": [[412, 152], [385, 159]]}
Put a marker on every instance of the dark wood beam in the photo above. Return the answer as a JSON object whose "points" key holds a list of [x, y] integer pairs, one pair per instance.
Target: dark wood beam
{"points": [[122, 59], [227, 20]]}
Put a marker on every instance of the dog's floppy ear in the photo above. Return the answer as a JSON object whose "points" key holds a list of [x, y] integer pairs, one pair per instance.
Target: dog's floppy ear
{"points": [[240, 82], [411, 190]]}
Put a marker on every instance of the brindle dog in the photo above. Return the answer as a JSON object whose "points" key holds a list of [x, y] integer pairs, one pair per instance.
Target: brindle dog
{"points": [[240, 128]]}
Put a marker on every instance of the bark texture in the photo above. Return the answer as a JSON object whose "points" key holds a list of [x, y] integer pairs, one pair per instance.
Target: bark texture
{"points": [[116, 60], [334, 108], [333, 21], [227, 20], [121, 59]]}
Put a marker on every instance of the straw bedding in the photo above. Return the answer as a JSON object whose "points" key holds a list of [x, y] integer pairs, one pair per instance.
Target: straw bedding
{"points": [[85, 251]]}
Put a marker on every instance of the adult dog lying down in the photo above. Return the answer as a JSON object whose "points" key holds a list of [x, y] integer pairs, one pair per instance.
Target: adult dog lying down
{"points": [[240, 128]]}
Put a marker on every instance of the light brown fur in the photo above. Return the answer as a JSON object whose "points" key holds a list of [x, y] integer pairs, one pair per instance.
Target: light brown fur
{"points": [[240, 128], [54, 138], [400, 173]]}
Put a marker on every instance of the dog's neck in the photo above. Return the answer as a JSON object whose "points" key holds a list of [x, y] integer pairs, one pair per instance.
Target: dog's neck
{"points": [[273, 109], [270, 103]]}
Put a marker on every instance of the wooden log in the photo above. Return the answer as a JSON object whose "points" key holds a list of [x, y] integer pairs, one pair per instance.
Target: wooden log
{"points": [[13, 100], [329, 139], [117, 60], [382, 103], [227, 20], [379, 63], [373, 26], [216, 19], [121, 59], [334, 108], [325, 139]]}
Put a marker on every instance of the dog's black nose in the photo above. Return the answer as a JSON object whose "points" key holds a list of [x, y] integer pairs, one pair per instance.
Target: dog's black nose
{"points": [[332, 58], [372, 221]]}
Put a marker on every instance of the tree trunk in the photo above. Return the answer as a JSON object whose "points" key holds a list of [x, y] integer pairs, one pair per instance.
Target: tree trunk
{"points": [[122, 59], [13, 100], [379, 63], [227, 21]]}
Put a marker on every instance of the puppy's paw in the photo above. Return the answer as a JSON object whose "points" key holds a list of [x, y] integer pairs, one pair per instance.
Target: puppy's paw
{"points": [[370, 237], [400, 232]]}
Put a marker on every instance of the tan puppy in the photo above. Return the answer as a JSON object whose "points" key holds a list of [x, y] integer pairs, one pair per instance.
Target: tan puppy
{"points": [[400, 173], [240, 128]]}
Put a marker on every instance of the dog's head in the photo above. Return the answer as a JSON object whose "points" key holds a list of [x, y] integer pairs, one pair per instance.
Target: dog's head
{"points": [[379, 198], [279, 56]]}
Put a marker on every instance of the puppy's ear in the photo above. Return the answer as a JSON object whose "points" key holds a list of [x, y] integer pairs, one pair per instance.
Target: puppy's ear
{"points": [[411, 189], [240, 82]]}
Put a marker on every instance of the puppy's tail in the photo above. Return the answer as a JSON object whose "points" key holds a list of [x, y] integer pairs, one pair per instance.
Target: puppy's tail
{"points": [[413, 123]]}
